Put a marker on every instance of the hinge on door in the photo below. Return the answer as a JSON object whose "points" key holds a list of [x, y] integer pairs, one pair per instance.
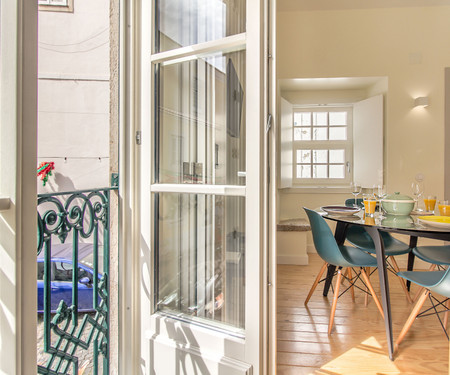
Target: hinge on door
{"points": [[114, 180], [138, 137]]}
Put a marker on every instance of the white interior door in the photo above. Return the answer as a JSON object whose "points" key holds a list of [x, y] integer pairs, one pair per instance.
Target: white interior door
{"points": [[203, 285]]}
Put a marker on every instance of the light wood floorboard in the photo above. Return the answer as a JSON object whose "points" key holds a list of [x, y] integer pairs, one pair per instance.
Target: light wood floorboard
{"points": [[357, 344]]}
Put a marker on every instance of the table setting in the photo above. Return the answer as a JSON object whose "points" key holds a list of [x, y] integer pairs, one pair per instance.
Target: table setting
{"points": [[379, 212]]}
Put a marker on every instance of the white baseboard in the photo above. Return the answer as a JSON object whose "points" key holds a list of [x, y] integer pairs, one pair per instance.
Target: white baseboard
{"points": [[298, 260], [310, 249]]}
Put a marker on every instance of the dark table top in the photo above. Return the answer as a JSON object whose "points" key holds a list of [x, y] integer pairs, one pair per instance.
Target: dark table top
{"points": [[410, 225]]}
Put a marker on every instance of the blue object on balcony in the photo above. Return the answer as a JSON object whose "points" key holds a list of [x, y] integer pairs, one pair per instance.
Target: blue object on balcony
{"points": [[61, 277]]}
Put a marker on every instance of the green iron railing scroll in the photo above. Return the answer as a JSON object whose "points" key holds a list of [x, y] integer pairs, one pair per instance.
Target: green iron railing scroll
{"points": [[84, 215]]}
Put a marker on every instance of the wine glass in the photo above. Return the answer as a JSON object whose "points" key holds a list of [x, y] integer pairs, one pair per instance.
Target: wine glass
{"points": [[417, 191], [356, 190], [380, 192]]}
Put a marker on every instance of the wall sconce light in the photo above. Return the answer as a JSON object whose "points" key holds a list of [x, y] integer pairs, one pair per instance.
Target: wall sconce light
{"points": [[421, 101]]}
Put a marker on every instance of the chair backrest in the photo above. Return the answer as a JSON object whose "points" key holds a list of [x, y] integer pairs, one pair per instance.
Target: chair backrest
{"points": [[350, 202], [324, 240], [443, 286]]}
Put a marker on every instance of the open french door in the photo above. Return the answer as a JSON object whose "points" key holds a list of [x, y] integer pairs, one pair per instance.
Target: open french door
{"points": [[203, 187]]}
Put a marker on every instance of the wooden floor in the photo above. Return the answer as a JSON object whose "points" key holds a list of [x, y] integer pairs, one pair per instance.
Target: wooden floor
{"points": [[357, 344]]}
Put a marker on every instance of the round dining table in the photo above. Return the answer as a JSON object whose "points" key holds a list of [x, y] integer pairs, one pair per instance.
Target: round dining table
{"points": [[413, 226]]}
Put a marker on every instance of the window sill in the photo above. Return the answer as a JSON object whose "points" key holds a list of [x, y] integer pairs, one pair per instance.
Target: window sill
{"points": [[315, 190]]}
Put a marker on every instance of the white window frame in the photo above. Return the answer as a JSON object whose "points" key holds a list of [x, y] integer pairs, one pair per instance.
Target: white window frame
{"points": [[56, 5], [346, 145]]}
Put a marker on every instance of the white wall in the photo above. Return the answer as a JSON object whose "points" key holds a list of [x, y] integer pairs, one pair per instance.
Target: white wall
{"points": [[74, 94], [407, 45]]}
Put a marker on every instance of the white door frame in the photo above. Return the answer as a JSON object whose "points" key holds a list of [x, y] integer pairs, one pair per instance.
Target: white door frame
{"points": [[18, 135], [135, 179]]}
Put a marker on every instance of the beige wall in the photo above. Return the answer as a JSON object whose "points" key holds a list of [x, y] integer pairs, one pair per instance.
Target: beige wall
{"points": [[407, 45]]}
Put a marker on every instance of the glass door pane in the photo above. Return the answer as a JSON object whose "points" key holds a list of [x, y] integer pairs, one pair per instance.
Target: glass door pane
{"points": [[201, 121], [201, 257], [181, 23]]}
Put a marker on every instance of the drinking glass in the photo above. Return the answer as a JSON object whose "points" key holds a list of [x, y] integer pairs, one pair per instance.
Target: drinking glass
{"points": [[430, 202], [417, 191], [356, 190], [370, 203], [380, 192], [444, 208]]}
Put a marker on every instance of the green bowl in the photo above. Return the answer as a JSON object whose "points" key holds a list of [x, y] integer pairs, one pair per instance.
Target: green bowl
{"points": [[397, 204]]}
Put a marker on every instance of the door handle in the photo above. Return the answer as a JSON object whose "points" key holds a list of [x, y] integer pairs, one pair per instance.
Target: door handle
{"points": [[5, 203], [348, 166]]}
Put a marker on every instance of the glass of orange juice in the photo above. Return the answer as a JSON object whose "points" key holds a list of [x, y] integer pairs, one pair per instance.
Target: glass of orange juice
{"points": [[430, 202], [444, 208], [370, 203]]}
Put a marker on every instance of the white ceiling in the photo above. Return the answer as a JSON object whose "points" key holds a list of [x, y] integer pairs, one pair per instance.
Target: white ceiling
{"points": [[343, 83], [309, 5]]}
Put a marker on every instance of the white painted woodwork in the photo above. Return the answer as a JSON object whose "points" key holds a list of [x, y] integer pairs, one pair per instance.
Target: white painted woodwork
{"points": [[5, 203], [368, 141], [286, 138], [168, 344], [18, 132]]}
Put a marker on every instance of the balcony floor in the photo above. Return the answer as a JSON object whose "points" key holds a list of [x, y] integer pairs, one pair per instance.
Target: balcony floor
{"points": [[357, 344]]}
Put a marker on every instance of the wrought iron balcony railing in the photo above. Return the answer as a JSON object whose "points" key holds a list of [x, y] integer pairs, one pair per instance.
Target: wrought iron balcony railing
{"points": [[73, 280]]}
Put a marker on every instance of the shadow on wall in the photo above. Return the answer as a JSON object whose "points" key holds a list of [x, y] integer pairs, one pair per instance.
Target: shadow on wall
{"points": [[58, 182]]}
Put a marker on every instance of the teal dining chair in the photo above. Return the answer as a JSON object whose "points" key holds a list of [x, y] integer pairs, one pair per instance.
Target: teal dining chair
{"points": [[433, 282], [350, 202], [340, 256], [437, 256], [357, 236]]}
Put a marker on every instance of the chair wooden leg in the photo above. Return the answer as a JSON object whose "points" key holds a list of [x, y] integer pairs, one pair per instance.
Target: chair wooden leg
{"points": [[402, 281], [344, 276], [420, 291], [366, 295], [335, 298], [372, 291], [316, 281], [350, 278], [447, 305], [412, 316]]}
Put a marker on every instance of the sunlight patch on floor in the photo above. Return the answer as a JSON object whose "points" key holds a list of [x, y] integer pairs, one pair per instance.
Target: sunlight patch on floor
{"points": [[369, 357]]}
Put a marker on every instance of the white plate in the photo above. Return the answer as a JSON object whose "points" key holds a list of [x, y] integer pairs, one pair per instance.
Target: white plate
{"points": [[421, 213], [340, 210], [442, 222]]}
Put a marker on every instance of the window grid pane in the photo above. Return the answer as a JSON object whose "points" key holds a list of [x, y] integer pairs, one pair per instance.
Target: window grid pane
{"points": [[320, 156], [320, 134], [337, 156], [320, 171], [321, 128], [302, 119], [337, 171], [303, 171], [320, 118], [338, 118], [303, 156], [302, 134], [320, 163], [338, 133]]}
